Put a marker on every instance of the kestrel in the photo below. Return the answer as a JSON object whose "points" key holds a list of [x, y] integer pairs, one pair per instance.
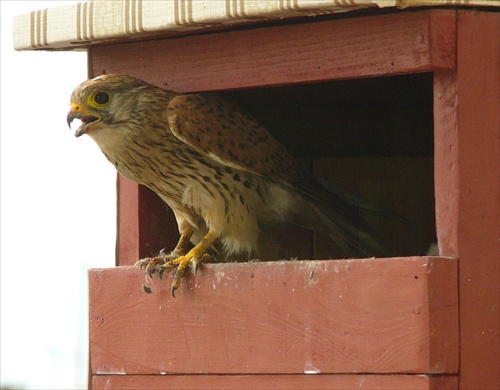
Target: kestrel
{"points": [[226, 178]]}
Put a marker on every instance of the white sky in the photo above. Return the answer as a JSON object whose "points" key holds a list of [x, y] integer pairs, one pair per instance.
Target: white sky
{"points": [[57, 215]]}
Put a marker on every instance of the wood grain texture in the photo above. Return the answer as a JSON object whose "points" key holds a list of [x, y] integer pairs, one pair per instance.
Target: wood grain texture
{"points": [[394, 315], [144, 223], [467, 171], [478, 86], [446, 169], [275, 382], [127, 229], [329, 50]]}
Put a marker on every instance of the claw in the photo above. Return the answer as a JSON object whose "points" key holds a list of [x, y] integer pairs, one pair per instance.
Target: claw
{"points": [[150, 271], [179, 260], [176, 282], [193, 265], [166, 268], [140, 263]]}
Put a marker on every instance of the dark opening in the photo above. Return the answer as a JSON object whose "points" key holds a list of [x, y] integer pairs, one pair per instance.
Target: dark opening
{"points": [[372, 137]]}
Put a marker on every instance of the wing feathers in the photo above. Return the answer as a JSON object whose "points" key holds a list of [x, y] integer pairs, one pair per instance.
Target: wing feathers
{"points": [[222, 132]]}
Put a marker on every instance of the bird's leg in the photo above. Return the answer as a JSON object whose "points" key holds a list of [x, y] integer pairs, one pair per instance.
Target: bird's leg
{"points": [[155, 264], [182, 245], [179, 259], [193, 258]]}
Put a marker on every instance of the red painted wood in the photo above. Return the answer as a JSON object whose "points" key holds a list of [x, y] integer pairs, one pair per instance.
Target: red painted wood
{"points": [[348, 316], [127, 232], [446, 170], [478, 86], [329, 50], [276, 382], [467, 171], [157, 225], [144, 224]]}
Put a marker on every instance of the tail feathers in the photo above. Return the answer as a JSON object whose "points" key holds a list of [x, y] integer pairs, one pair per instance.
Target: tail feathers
{"points": [[341, 216], [362, 205]]}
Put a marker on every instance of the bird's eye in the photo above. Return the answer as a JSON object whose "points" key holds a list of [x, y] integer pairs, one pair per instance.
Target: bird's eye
{"points": [[101, 98]]}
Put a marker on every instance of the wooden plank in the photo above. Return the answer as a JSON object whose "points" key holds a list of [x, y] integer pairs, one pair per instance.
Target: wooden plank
{"points": [[329, 50], [157, 225], [467, 171], [276, 382], [144, 223], [127, 232], [344, 316], [446, 170], [478, 86]]}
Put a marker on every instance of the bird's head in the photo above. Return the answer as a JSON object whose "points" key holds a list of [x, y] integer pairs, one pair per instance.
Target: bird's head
{"points": [[104, 101]]}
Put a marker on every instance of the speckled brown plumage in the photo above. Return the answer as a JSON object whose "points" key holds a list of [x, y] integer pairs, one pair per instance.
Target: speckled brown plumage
{"points": [[224, 176]]}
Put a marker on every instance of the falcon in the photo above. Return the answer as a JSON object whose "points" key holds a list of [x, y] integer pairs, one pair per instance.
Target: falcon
{"points": [[226, 178]]}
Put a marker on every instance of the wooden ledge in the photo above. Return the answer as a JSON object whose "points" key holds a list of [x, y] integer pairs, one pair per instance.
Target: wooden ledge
{"points": [[276, 382], [380, 316], [312, 52]]}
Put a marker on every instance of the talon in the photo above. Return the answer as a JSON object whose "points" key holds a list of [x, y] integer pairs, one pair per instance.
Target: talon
{"points": [[152, 265], [179, 260], [194, 264], [174, 287], [176, 282], [141, 263], [150, 271]]}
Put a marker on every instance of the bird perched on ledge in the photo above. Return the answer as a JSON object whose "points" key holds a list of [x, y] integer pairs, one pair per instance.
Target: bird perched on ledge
{"points": [[225, 177]]}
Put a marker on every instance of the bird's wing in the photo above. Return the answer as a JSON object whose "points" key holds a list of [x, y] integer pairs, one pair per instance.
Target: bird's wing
{"points": [[222, 132]]}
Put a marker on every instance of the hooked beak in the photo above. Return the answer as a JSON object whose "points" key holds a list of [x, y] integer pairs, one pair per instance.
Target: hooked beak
{"points": [[76, 112]]}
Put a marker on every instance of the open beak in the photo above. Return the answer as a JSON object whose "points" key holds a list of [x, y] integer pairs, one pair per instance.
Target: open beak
{"points": [[87, 120]]}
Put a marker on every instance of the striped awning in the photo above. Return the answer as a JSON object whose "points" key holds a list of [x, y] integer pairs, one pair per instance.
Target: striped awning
{"points": [[81, 25]]}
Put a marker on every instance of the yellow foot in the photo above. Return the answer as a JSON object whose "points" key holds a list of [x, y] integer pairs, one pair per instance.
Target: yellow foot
{"points": [[180, 265], [178, 260], [154, 265], [166, 263]]}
